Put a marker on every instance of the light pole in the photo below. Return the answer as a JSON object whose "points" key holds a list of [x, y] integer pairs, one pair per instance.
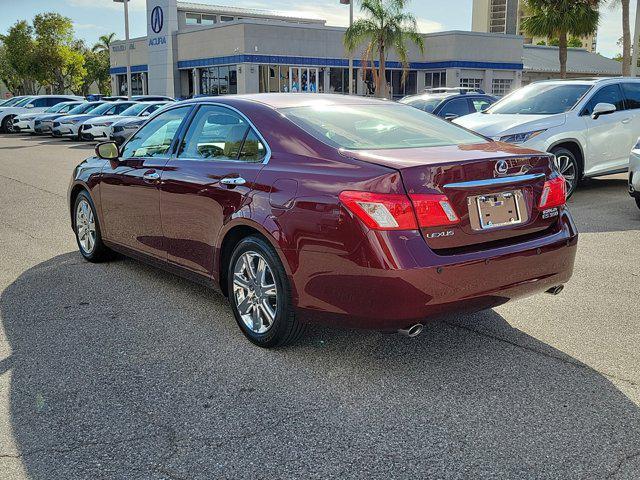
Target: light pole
{"points": [[126, 37], [350, 3], [636, 38]]}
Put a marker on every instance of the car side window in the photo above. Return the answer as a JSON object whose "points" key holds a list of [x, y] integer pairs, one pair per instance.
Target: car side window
{"points": [[156, 137], [607, 94], [219, 133], [41, 102], [632, 95], [457, 106], [480, 104]]}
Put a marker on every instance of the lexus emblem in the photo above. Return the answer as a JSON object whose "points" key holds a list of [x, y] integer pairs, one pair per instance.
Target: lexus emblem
{"points": [[502, 167], [157, 19]]}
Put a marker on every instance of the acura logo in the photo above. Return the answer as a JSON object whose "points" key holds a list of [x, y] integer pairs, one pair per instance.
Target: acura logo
{"points": [[157, 19], [502, 167]]}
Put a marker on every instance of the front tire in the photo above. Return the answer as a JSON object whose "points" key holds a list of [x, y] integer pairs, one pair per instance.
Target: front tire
{"points": [[6, 124], [569, 167], [87, 230], [260, 294], [638, 201]]}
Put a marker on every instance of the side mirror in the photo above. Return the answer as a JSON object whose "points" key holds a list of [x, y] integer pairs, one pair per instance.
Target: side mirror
{"points": [[602, 109], [107, 150], [29, 105], [145, 114], [450, 116]]}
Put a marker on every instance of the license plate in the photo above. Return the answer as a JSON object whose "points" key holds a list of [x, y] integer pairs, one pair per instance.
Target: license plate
{"points": [[497, 210]]}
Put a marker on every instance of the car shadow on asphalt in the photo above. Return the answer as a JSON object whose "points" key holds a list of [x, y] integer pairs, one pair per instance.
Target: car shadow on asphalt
{"points": [[121, 371], [603, 205]]}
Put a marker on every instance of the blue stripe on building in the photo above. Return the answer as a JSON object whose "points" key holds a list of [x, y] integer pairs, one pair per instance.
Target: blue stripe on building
{"points": [[123, 70], [336, 62]]}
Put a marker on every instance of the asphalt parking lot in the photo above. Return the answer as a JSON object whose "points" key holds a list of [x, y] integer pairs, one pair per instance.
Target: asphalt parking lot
{"points": [[121, 371]]}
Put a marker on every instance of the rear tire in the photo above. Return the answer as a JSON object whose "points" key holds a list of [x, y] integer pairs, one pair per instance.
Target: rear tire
{"points": [[87, 229], [260, 294], [569, 167]]}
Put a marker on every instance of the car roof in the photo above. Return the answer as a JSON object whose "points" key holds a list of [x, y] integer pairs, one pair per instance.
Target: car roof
{"points": [[287, 100]]}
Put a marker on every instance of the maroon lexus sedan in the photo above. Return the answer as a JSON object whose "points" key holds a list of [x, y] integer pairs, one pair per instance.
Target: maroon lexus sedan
{"points": [[327, 208]]}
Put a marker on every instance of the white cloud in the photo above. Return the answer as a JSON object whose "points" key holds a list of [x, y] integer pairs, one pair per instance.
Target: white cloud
{"points": [[134, 5]]}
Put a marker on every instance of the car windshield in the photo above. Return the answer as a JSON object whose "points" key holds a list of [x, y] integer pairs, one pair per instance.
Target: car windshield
{"points": [[135, 110], [540, 99], [56, 108], [381, 126], [102, 109], [23, 102], [12, 101], [83, 108], [422, 103]]}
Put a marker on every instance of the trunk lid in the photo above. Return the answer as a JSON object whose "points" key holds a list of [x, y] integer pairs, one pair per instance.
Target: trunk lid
{"points": [[489, 182]]}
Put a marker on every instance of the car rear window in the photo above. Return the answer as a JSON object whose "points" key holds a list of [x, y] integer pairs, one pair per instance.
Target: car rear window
{"points": [[383, 126]]}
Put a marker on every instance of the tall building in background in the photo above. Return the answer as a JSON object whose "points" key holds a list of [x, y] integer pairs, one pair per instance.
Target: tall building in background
{"points": [[505, 16]]}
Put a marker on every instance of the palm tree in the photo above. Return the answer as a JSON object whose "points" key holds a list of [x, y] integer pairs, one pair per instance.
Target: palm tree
{"points": [[626, 36], [104, 43], [386, 27], [561, 18]]}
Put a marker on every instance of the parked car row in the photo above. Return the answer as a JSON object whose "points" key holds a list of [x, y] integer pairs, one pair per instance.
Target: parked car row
{"points": [[76, 118]]}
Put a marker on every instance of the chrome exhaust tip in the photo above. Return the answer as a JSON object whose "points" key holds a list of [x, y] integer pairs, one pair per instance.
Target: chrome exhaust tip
{"points": [[412, 331], [555, 290]]}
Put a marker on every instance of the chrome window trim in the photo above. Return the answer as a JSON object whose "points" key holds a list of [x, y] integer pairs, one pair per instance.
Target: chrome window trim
{"points": [[495, 181], [267, 155]]}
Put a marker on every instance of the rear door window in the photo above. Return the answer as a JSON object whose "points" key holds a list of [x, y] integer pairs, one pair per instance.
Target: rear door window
{"points": [[458, 107], [632, 95]]}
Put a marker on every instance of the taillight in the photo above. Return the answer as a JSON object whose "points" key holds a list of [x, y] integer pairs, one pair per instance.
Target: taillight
{"points": [[554, 193], [382, 211], [433, 210]]}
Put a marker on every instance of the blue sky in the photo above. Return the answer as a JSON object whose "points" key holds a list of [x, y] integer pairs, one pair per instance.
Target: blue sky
{"points": [[93, 18]]}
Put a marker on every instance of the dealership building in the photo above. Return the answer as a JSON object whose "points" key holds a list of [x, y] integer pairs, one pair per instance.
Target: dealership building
{"points": [[199, 49]]}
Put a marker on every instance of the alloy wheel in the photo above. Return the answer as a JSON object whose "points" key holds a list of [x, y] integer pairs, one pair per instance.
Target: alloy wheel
{"points": [[254, 292], [567, 167], [85, 226]]}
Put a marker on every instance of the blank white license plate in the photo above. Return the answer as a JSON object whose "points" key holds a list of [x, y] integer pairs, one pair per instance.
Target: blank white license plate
{"points": [[497, 210]]}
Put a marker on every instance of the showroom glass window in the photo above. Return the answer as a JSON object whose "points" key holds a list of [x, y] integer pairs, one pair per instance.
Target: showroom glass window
{"points": [[219, 133], [156, 137], [219, 80], [435, 79]]}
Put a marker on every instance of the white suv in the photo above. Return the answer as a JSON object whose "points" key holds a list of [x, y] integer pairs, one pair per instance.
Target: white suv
{"points": [[30, 104], [589, 125]]}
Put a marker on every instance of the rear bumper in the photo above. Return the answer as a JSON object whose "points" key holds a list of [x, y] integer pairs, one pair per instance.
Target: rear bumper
{"points": [[418, 285]]}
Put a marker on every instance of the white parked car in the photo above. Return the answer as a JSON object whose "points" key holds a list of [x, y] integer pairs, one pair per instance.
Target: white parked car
{"points": [[634, 173], [589, 125], [30, 104], [100, 127], [25, 123], [70, 125]]}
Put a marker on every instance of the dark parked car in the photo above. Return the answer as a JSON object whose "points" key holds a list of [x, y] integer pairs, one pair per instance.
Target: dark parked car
{"points": [[327, 208], [123, 129], [450, 103]]}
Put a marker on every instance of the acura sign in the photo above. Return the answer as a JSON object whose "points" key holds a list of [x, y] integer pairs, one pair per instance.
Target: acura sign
{"points": [[157, 19]]}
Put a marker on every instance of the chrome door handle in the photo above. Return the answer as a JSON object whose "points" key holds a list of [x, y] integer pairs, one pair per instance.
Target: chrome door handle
{"points": [[151, 176], [626, 120], [233, 181]]}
